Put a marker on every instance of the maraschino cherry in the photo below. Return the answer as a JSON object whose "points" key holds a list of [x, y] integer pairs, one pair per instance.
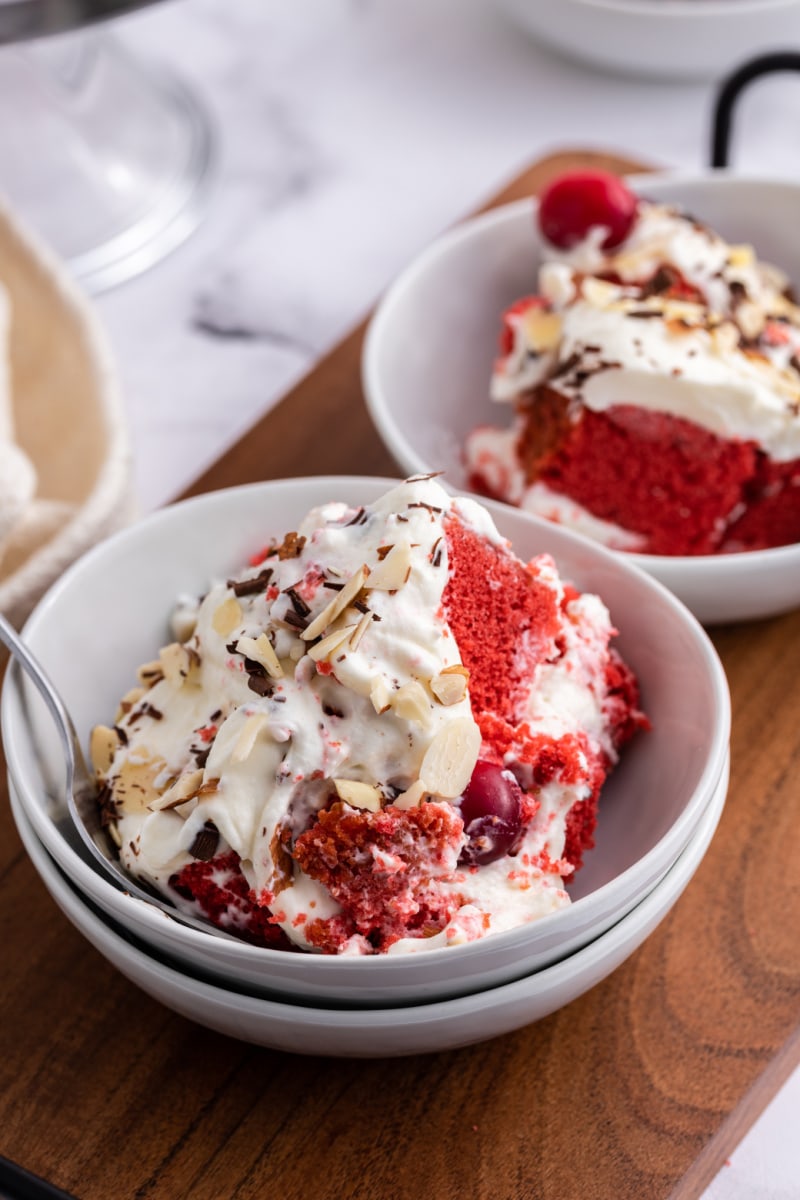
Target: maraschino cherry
{"points": [[491, 808], [579, 201]]}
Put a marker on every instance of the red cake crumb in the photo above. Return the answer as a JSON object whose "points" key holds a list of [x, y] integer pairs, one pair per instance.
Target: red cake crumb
{"points": [[378, 867], [225, 897]]}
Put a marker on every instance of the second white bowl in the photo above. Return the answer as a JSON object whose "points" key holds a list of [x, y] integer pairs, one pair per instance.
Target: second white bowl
{"points": [[431, 346]]}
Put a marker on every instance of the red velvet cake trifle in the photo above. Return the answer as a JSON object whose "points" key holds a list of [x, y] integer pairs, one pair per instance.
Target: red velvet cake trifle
{"points": [[655, 380], [387, 734]]}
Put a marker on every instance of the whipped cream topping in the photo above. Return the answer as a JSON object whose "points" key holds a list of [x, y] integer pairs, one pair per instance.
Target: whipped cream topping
{"points": [[240, 732], [727, 356]]}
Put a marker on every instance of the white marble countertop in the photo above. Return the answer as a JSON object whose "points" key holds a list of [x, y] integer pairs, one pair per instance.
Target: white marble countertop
{"points": [[351, 132]]}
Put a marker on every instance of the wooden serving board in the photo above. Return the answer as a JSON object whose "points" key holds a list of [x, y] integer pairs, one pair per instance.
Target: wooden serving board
{"points": [[640, 1089]]}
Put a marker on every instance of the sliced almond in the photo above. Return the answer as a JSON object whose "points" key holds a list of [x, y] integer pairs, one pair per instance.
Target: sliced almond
{"points": [[741, 256], [332, 642], [248, 736], [541, 329], [450, 685], [750, 319], [178, 665], [129, 701], [103, 745], [184, 789], [227, 617], [339, 603], [260, 649], [598, 292], [360, 629], [380, 695], [150, 673], [450, 759], [393, 572], [725, 338], [412, 797], [359, 795], [135, 787], [411, 703]]}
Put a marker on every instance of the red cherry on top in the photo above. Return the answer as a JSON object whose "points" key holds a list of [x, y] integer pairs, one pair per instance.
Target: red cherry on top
{"points": [[575, 203]]}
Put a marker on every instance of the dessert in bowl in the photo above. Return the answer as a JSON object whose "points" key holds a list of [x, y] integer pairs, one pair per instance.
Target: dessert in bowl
{"points": [[649, 388], [110, 613]]}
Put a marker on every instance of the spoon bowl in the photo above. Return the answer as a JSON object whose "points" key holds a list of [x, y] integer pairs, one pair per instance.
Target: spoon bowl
{"points": [[74, 811]]}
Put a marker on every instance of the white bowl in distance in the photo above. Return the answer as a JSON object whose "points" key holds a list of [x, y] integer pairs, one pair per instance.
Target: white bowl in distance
{"points": [[660, 39], [110, 611], [378, 1032], [430, 348]]}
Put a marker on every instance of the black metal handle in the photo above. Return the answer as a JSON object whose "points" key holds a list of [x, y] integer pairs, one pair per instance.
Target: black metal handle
{"points": [[729, 93]]}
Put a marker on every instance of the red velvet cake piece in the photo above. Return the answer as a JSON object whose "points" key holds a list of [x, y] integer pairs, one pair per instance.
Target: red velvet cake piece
{"points": [[378, 867]]}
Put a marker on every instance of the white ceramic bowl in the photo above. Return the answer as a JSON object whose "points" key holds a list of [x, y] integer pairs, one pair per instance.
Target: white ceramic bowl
{"points": [[431, 345], [68, 415], [381, 1032], [109, 613], [663, 39]]}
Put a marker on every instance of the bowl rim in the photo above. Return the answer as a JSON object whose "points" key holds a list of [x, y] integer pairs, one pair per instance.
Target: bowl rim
{"points": [[12, 722], [670, 10], [507, 214], [675, 880]]}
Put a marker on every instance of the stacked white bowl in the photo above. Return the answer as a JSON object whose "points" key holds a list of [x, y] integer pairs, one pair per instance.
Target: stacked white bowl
{"points": [[658, 811]]}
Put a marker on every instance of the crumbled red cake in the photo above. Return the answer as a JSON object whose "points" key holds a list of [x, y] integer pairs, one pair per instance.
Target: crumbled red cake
{"points": [[378, 867], [225, 897]]}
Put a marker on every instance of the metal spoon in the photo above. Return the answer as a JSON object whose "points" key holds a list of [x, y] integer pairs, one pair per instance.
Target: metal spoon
{"points": [[81, 811]]}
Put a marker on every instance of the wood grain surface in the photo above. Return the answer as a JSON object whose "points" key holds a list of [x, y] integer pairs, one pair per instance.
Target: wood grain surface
{"points": [[637, 1091]]}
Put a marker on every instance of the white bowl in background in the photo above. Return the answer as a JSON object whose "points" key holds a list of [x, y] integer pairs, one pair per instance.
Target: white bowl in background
{"points": [[68, 416], [660, 39], [381, 1032], [110, 611], [431, 345]]}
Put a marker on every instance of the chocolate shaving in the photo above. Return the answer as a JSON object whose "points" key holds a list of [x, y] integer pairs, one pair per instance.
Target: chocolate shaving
{"points": [[360, 518], [292, 620], [204, 846], [794, 363], [334, 587], [248, 587], [330, 711], [260, 684], [403, 519], [201, 755], [663, 279], [298, 603], [567, 365], [430, 507], [121, 734], [291, 547], [436, 553], [643, 314], [150, 710], [107, 806], [361, 606], [383, 551]]}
